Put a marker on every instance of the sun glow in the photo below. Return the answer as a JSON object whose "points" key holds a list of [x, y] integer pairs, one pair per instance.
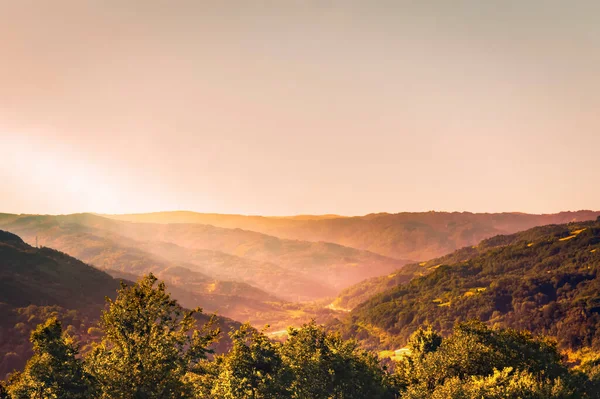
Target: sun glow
{"points": [[46, 169]]}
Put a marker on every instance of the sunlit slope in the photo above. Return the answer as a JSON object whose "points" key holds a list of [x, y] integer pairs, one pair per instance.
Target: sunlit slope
{"points": [[544, 280], [352, 296], [417, 236]]}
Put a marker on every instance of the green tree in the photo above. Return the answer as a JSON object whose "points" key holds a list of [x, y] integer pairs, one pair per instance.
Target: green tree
{"points": [[3, 392], [150, 345], [252, 369], [421, 343], [466, 364], [54, 371], [324, 366], [500, 385], [424, 341]]}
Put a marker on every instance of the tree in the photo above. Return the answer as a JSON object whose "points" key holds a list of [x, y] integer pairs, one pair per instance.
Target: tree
{"points": [[421, 343], [324, 366], [467, 363], [3, 392], [150, 345], [424, 341], [54, 371], [500, 385], [252, 369]]}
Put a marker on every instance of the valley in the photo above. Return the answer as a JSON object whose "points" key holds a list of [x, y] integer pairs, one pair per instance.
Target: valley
{"points": [[542, 280]]}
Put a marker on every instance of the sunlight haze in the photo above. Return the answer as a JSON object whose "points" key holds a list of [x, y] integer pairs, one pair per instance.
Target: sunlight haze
{"points": [[299, 107]]}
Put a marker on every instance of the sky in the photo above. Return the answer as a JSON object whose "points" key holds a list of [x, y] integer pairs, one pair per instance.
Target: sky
{"points": [[299, 107]]}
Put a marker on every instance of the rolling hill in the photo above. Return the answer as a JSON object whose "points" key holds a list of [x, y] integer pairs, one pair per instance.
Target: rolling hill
{"points": [[291, 269], [545, 280], [417, 236]]}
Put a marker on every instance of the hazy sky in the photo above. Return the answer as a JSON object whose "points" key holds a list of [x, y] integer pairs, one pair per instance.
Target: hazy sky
{"points": [[288, 107]]}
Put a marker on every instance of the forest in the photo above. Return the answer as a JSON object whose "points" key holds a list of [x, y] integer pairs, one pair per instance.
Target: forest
{"points": [[151, 347]]}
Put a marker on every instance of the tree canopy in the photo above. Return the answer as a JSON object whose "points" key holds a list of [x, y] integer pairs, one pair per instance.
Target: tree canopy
{"points": [[149, 347]]}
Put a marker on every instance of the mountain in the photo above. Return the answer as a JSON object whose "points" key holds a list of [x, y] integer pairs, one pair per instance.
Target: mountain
{"points": [[36, 283], [417, 236], [545, 280], [290, 269], [124, 258], [43, 276]]}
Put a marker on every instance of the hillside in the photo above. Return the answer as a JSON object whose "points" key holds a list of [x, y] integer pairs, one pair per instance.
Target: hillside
{"points": [[122, 257], [352, 296], [36, 283], [545, 280], [417, 236], [44, 276], [291, 269]]}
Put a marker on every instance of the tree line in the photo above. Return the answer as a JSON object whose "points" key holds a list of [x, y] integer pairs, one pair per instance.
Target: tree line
{"points": [[150, 347]]}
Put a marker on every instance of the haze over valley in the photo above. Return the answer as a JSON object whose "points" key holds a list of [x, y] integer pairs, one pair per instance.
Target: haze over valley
{"points": [[251, 276]]}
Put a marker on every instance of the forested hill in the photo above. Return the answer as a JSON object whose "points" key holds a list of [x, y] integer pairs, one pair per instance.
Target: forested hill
{"points": [[544, 280], [44, 276], [354, 295], [36, 283]]}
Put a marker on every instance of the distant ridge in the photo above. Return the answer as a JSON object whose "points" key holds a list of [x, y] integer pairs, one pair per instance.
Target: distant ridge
{"points": [[406, 235]]}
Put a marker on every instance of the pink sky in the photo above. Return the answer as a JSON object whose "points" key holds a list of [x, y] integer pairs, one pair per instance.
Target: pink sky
{"points": [[294, 107]]}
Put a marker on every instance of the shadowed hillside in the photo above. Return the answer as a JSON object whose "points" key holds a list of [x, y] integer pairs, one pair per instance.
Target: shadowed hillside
{"points": [[44, 276]]}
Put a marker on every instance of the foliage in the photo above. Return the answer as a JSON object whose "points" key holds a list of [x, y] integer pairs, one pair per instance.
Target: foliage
{"points": [[3, 392], [478, 362], [500, 385], [150, 348], [17, 323], [149, 345], [54, 371], [253, 368], [312, 363], [325, 366]]}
